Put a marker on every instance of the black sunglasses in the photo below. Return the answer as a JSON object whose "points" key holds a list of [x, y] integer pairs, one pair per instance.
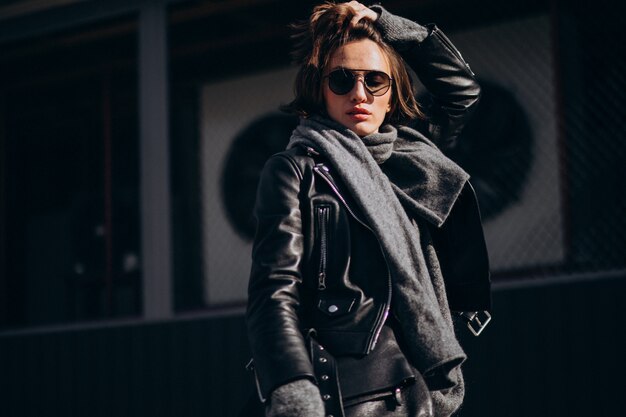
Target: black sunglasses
{"points": [[341, 81]]}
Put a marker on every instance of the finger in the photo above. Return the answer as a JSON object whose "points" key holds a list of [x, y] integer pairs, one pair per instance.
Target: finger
{"points": [[355, 4], [357, 7], [361, 12]]}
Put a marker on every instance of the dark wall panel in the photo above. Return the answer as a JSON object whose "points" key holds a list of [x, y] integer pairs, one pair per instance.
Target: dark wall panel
{"points": [[186, 368], [550, 351]]}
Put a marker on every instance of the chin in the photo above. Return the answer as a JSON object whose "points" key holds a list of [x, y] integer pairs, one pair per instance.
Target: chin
{"points": [[363, 130]]}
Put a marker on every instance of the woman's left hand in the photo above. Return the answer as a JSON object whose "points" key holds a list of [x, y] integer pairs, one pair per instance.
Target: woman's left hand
{"points": [[362, 12]]}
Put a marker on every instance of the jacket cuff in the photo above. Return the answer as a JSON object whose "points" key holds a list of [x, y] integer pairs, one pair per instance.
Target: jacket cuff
{"points": [[396, 29]]}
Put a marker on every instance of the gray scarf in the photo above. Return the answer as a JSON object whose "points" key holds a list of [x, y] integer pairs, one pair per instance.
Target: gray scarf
{"points": [[415, 181]]}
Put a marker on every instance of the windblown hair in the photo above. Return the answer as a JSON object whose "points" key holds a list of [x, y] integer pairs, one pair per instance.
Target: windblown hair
{"points": [[327, 29]]}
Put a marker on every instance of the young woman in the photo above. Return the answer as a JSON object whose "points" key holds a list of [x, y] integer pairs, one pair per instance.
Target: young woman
{"points": [[368, 237]]}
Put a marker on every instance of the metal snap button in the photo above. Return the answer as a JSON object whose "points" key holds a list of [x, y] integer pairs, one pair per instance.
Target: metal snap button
{"points": [[324, 377], [326, 397], [323, 360], [333, 308]]}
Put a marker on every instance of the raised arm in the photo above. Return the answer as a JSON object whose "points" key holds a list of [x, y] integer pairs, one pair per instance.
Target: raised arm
{"points": [[441, 69]]}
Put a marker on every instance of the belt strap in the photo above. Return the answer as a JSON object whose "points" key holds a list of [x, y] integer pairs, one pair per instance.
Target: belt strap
{"points": [[325, 368]]}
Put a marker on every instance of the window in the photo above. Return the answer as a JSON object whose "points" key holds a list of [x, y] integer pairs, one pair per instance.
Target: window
{"points": [[69, 247]]}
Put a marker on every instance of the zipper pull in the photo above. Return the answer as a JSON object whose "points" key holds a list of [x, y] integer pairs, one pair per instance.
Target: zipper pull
{"points": [[321, 281]]}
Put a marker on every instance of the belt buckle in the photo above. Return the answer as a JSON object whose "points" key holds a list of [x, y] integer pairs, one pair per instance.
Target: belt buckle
{"points": [[476, 320]]}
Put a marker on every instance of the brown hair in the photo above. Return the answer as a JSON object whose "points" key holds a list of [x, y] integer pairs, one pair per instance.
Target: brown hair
{"points": [[327, 29]]}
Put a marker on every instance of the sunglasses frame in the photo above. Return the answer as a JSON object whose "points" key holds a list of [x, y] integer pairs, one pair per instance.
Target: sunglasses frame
{"points": [[356, 74]]}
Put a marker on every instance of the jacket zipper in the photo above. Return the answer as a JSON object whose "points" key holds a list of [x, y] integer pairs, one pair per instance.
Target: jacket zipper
{"points": [[380, 321], [323, 217]]}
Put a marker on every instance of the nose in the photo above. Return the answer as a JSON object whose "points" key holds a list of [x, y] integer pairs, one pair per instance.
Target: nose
{"points": [[358, 93]]}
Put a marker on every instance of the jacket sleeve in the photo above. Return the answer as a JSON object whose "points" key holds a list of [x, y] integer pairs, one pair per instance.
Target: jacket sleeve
{"points": [[451, 84], [277, 344]]}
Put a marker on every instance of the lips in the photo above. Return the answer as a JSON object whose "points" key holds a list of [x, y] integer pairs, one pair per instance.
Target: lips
{"points": [[358, 110], [358, 114]]}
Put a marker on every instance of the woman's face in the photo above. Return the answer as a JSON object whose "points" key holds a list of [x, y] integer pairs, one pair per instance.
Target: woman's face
{"points": [[358, 110]]}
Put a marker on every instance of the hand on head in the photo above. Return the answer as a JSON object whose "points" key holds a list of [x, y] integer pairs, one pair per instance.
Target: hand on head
{"points": [[362, 12]]}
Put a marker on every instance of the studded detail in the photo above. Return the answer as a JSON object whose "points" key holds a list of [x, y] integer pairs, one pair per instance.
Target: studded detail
{"points": [[397, 396], [333, 309], [325, 369]]}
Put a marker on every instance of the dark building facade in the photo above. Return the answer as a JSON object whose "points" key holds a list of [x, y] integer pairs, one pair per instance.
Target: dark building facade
{"points": [[131, 137]]}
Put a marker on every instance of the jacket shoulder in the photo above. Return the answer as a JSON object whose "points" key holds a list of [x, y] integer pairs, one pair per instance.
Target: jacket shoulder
{"points": [[299, 159]]}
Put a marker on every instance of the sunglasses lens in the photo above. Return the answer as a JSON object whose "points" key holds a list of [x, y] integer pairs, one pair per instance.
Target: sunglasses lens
{"points": [[377, 82], [340, 82]]}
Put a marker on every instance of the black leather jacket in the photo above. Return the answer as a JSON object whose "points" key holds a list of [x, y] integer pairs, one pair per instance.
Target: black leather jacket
{"points": [[317, 264]]}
